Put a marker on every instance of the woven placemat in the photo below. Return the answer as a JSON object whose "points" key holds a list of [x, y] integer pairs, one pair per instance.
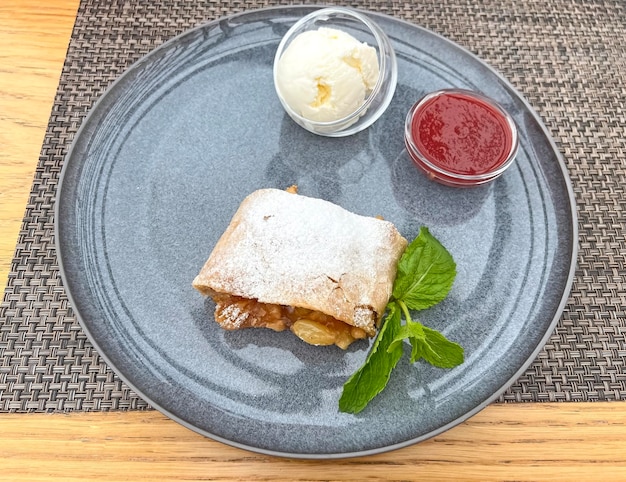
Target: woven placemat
{"points": [[567, 57]]}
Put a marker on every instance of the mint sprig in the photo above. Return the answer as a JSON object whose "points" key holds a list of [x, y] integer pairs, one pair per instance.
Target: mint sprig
{"points": [[427, 343], [426, 272], [369, 380]]}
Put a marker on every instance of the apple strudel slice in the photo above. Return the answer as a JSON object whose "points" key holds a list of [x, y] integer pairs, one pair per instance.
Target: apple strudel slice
{"points": [[288, 261]]}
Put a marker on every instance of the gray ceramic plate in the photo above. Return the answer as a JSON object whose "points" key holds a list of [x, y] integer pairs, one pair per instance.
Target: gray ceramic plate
{"points": [[162, 162]]}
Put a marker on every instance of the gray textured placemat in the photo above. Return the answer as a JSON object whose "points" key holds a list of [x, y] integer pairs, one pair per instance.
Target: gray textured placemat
{"points": [[567, 57]]}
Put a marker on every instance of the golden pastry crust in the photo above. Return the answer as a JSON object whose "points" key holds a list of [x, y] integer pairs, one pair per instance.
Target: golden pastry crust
{"points": [[292, 250]]}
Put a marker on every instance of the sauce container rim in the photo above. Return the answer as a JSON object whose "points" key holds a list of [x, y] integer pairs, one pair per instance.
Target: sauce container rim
{"points": [[468, 178]]}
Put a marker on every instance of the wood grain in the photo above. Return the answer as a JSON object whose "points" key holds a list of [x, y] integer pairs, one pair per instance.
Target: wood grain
{"points": [[562, 442], [34, 35]]}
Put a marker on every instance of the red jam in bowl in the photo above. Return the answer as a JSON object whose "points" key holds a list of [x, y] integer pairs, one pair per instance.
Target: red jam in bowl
{"points": [[460, 138]]}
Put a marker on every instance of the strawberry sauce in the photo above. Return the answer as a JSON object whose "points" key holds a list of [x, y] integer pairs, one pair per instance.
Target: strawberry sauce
{"points": [[460, 138]]}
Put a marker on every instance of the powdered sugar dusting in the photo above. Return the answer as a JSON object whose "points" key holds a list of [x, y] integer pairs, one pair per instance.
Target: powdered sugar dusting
{"points": [[286, 248], [232, 317], [364, 316]]}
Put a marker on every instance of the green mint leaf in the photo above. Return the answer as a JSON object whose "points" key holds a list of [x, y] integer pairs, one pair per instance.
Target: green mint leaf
{"points": [[409, 330], [427, 343], [436, 349], [426, 272], [369, 380]]}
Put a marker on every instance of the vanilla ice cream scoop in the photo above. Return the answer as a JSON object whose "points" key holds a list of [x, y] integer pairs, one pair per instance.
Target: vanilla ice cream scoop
{"points": [[326, 74]]}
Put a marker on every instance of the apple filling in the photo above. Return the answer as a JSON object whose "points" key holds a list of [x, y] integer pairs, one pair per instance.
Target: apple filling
{"points": [[313, 327]]}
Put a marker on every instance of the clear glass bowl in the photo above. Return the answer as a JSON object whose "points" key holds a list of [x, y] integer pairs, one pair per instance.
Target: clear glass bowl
{"points": [[365, 30], [442, 161]]}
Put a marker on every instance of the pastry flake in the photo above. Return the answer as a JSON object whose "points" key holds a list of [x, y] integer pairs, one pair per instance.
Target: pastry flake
{"points": [[288, 261]]}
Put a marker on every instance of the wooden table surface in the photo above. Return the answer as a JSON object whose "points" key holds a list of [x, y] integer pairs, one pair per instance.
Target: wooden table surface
{"points": [[551, 441]]}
